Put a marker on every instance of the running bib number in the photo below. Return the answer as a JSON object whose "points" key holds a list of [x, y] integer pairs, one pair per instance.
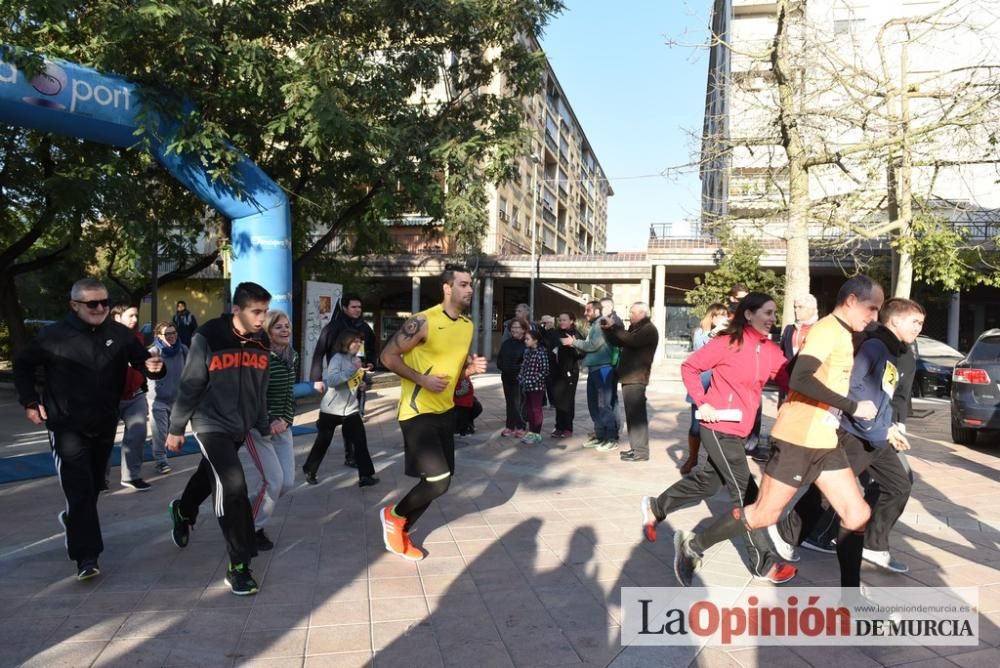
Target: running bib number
{"points": [[356, 379]]}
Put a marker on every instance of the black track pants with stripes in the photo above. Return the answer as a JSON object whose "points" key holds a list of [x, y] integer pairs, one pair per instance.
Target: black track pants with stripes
{"points": [[727, 465], [80, 460], [220, 474]]}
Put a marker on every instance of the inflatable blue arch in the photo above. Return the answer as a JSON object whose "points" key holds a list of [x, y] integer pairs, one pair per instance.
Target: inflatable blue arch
{"points": [[75, 101]]}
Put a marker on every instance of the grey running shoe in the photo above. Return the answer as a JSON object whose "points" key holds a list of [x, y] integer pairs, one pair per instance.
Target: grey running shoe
{"points": [[592, 442], [686, 562], [607, 446]]}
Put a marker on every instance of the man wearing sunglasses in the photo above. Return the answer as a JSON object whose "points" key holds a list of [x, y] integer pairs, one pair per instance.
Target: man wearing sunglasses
{"points": [[83, 359]]}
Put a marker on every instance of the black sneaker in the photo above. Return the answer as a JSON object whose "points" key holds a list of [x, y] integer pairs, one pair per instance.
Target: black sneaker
{"points": [[367, 481], [686, 562], [240, 580], [632, 456], [105, 486], [263, 542], [349, 461], [310, 477], [163, 467], [828, 547], [86, 569], [138, 484], [181, 531]]}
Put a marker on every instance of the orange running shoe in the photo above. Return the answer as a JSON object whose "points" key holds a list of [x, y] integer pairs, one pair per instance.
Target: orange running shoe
{"points": [[395, 537]]}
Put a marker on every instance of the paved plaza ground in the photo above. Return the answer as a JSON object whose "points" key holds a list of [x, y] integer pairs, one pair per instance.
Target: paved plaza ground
{"points": [[527, 554]]}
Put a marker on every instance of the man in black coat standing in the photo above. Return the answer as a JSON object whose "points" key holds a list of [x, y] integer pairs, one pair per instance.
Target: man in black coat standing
{"points": [[83, 359], [638, 346]]}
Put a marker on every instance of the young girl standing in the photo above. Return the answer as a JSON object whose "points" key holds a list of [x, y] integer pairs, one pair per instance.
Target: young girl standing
{"points": [[344, 375], [531, 379]]}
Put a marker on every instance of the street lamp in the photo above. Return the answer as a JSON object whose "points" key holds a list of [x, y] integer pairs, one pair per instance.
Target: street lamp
{"points": [[534, 217]]}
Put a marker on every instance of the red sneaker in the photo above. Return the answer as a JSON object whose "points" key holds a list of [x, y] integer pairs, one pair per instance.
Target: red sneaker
{"points": [[395, 537], [649, 520], [779, 573]]}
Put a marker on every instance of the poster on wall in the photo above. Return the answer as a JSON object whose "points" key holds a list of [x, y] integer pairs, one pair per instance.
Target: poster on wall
{"points": [[318, 307]]}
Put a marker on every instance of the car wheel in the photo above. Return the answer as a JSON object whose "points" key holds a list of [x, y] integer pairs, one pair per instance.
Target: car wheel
{"points": [[962, 435]]}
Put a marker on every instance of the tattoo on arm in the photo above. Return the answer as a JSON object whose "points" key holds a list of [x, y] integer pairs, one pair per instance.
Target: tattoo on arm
{"points": [[409, 330]]}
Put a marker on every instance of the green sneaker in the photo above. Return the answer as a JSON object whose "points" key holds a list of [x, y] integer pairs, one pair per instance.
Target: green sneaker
{"points": [[240, 580], [607, 446], [592, 442]]}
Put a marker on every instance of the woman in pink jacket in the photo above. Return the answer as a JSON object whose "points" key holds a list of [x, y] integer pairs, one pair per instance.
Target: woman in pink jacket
{"points": [[742, 358]]}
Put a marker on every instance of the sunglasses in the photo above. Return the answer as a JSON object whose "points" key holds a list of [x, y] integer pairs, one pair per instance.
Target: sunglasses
{"points": [[94, 304]]}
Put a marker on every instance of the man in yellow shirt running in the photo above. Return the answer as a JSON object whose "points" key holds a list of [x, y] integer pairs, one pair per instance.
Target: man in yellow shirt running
{"points": [[429, 354]]}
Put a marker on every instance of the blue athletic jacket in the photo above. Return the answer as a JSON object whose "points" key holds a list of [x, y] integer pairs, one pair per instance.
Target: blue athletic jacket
{"points": [[874, 378]]}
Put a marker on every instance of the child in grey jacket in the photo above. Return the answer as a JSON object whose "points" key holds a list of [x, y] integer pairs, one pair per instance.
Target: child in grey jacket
{"points": [[163, 391], [339, 406]]}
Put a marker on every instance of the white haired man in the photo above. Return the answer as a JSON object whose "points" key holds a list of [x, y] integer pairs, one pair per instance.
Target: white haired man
{"points": [[638, 345]]}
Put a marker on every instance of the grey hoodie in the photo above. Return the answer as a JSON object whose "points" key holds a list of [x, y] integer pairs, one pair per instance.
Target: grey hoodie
{"points": [[341, 378]]}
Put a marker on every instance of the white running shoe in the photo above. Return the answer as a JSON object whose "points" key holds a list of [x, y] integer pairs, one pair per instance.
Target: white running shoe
{"points": [[884, 560], [786, 550]]}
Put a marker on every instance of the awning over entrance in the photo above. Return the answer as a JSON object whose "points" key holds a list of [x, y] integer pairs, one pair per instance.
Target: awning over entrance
{"points": [[562, 292]]}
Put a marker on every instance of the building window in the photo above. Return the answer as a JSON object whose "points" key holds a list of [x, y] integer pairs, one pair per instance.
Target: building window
{"points": [[502, 210], [846, 26]]}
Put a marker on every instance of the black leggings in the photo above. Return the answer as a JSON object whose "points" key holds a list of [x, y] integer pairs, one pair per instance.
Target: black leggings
{"points": [[420, 497], [354, 433]]}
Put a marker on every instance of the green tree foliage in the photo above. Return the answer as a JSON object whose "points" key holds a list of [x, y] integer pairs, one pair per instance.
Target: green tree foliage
{"points": [[362, 110], [740, 263], [947, 255]]}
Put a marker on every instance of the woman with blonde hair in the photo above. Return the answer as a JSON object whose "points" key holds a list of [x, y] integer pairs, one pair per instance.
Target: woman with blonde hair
{"points": [[273, 456]]}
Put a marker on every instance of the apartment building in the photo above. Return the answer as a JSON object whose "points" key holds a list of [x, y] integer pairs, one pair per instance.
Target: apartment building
{"points": [[559, 199], [865, 70]]}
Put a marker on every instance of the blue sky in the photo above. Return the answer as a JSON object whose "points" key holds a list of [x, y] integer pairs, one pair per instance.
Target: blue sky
{"points": [[638, 100]]}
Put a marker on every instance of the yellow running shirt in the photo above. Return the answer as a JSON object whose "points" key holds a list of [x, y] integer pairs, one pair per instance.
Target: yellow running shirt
{"points": [[807, 422], [446, 350]]}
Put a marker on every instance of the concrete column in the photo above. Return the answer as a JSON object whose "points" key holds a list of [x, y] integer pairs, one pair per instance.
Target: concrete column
{"points": [[476, 312], [644, 291], [487, 318], [415, 294], [954, 308], [659, 307]]}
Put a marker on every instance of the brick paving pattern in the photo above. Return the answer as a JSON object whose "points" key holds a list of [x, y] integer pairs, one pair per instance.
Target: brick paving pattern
{"points": [[527, 553]]}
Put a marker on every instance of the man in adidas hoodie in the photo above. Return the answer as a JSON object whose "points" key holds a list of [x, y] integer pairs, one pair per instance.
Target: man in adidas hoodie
{"points": [[870, 445], [223, 394]]}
